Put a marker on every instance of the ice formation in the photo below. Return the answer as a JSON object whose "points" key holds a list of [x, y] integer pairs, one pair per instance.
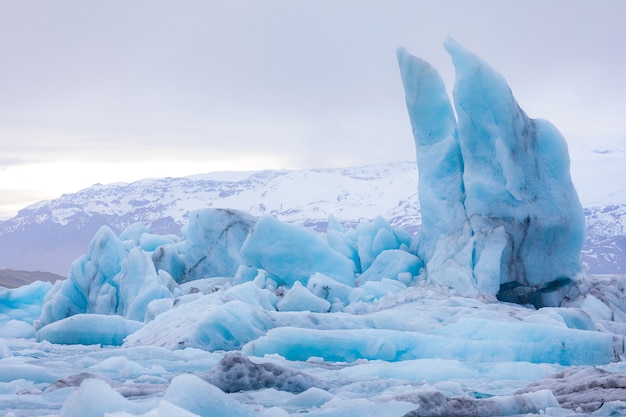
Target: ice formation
{"points": [[498, 206]]}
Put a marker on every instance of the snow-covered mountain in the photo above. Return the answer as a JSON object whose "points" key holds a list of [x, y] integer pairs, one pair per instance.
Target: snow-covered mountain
{"points": [[49, 235]]}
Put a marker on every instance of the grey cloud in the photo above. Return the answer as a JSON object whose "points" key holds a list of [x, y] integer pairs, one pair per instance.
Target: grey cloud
{"points": [[11, 162], [302, 78]]}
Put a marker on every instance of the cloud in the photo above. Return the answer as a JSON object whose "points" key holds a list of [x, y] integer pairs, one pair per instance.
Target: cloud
{"points": [[298, 84], [6, 163]]}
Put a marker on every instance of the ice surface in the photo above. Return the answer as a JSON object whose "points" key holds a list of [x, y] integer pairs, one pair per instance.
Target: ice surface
{"points": [[498, 204]]}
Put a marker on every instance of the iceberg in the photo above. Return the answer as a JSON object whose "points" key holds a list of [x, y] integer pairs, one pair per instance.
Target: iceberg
{"points": [[115, 277], [214, 238], [291, 253], [22, 303], [498, 205]]}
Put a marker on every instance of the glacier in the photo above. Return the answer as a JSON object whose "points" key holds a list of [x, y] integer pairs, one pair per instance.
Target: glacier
{"points": [[484, 312]]}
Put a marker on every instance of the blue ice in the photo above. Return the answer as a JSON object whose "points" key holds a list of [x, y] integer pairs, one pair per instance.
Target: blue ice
{"points": [[498, 204]]}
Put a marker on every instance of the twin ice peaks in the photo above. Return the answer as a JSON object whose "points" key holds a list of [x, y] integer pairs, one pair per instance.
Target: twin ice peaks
{"points": [[500, 214]]}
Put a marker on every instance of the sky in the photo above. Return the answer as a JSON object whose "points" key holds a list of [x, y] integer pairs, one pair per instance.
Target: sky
{"points": [[117, 90]]}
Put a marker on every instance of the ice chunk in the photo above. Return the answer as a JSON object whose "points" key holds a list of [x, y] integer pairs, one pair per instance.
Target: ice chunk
{"points": [[205, 324], [134, 232], [23, 303], [206, 400], [236, 373], [11, 370], [373, 238], [596, 308], [333, 345], [313, 397], [531, 342], [150, 242], [213, 242], [139, 284], [156, 307], [329, 289], [571, 317], [110, 279], [17, 329], [373, 290], [337, 239], [497, 201], [90, 286], [435, 371], [476, 340], [116, 366], [95, 398], [391, 263], [291, 253], [89, 329], [275, 412], [169, 259], [298, 298]]}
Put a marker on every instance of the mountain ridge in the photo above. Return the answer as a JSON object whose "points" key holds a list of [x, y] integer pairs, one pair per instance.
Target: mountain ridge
{"points": [[49, 235]]}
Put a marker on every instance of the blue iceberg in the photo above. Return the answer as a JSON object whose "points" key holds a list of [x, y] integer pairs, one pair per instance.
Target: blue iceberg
{"points": [[498, 205]]}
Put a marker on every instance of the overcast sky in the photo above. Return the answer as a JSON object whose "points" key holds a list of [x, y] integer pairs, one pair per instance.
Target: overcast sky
{"points": [[118, 90]]}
